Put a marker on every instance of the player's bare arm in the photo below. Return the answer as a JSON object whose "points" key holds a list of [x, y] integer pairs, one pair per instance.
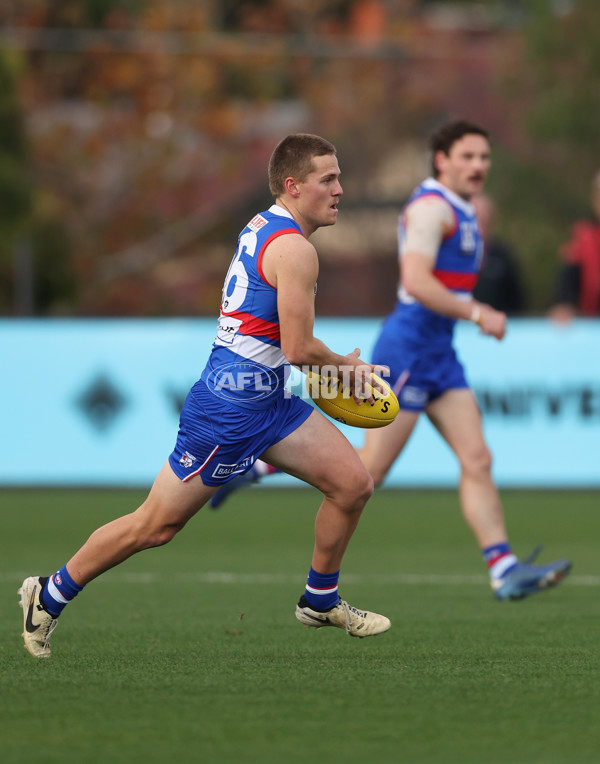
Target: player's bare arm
{"points": [[428, 220], [290, 264]]}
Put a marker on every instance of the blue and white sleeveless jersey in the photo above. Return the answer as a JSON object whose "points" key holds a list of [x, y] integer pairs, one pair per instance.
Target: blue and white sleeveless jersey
{"points": [[456, 265], [246, 365]]}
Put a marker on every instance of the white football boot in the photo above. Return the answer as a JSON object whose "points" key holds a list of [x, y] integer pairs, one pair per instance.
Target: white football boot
{"points": [[38, 624], [358, 623]]}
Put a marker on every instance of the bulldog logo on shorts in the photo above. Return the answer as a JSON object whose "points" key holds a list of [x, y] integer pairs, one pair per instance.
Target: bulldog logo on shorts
{"points": [[187, 459]]}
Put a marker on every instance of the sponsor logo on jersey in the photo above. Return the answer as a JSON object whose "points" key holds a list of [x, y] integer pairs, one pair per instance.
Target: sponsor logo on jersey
{"points": [[257, 223], [187, 459], [226, 470], [227, 329]]}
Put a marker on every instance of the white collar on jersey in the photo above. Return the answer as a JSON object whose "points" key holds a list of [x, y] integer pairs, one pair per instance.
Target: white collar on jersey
{"points": [[276, 209], [455, 199]]}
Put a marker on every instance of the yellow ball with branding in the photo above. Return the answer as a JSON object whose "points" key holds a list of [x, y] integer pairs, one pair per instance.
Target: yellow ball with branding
{"points": [[336, 401]]}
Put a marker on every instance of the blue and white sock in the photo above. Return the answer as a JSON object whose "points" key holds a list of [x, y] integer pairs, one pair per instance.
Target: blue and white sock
{"points": [[499, 559], [60, 589], [321, 591]]}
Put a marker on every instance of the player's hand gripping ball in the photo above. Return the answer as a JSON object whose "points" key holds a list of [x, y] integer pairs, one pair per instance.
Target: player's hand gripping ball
{"points": [[337, 402]]}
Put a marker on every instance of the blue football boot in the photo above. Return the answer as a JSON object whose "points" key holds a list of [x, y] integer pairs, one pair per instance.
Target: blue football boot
{"points": [[238, 482], [524, 578]]}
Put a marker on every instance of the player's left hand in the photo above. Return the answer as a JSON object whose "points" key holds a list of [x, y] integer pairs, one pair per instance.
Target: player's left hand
{"points": [[492, 321]]}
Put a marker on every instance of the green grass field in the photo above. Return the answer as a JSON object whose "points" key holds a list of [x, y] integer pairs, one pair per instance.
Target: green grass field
{"points": [[192, 652]]}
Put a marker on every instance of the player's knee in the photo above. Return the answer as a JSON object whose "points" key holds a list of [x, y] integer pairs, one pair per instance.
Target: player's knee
{"points": [[478, 461], [361, 485], [160, 536], [149, 533], [368, 485], [352, 490]]}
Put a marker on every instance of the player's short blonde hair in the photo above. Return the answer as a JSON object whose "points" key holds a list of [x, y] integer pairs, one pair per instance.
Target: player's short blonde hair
{"points": [[293, 157]]}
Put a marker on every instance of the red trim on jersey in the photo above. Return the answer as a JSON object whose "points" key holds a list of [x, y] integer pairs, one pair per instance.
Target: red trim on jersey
{"points": [[264, 246], [465, 282], [256, 326]]}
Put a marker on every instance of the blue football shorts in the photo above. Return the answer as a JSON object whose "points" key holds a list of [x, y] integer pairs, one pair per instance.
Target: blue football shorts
{"points": [[220, 441], [419, 375]]}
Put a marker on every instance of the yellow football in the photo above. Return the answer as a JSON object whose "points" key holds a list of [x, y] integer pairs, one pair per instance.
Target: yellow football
{"points": [[336, 401]]}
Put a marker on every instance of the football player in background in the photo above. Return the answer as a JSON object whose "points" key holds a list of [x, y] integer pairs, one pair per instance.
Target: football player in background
{"points": [[440, 249], [239, 409]]}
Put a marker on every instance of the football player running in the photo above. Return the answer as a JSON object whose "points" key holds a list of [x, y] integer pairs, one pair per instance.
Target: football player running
{"points": [[440, 251], [239, 408]]}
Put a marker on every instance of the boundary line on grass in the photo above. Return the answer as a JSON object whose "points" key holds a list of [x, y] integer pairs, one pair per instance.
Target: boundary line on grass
{"points": [[224, 577]]}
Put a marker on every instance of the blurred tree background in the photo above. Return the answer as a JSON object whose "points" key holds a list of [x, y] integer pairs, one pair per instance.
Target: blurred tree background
{"points": [[134, 137]]}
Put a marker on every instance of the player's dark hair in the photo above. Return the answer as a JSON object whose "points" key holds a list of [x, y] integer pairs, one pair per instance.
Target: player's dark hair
{"points": [[293, 156], [446, 136]]}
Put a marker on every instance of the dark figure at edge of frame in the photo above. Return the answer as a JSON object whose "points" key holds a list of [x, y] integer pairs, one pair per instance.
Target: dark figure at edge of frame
{"points": [[578, 287]]}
